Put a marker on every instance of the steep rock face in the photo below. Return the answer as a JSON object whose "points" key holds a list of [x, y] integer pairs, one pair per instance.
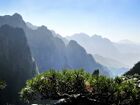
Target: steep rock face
{"points": [[134, 70], [77, 56], [16, 65], [50, 51]]}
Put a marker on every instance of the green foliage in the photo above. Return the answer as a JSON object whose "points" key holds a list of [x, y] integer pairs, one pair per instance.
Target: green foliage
{"points": [[53, 84], [2, 85]]}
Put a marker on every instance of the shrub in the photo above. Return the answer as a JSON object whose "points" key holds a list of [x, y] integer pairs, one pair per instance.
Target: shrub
{"points": [[56, 84]]}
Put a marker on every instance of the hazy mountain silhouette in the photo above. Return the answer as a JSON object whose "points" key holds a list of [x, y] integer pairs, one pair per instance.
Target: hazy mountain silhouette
{"points": [[33, 27], [115, 66], [96, 45], [76, 53], [66, 41], [110, 63], [50, 51], [16, 64], [130, 52], [125, 53]]}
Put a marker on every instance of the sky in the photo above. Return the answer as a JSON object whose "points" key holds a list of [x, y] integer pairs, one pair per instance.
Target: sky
{"points": [[114, 19]]}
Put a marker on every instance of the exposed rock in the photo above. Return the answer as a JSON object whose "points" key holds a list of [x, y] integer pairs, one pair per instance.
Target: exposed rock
{"points": [[77, 100]]}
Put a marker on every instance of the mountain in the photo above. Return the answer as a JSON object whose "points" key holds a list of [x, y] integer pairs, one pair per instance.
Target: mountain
{"points": [[96, 45], [130, 52], [125, 52], [16, 64], [108, 62], [76, 53], [131, 48], [134, 70], [115, 66], [66, 41], [102, 49], [15, 20], [50, 51], [33, 27]]}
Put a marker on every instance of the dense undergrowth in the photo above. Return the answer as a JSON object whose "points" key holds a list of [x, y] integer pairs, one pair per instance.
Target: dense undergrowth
{"points": [[99, 90]]}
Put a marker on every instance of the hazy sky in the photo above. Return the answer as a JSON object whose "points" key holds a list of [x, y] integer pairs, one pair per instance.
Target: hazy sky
{"points": [[114, 19]]}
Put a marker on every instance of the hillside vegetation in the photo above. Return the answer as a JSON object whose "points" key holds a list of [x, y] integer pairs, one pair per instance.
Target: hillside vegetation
{"points": [[77, 87]]}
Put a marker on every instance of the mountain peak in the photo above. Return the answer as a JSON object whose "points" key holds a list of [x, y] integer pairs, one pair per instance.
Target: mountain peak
{"points": [[97, 36], [17, 16], [72, 42], [43, 28], [100, 38], [14, 20]]}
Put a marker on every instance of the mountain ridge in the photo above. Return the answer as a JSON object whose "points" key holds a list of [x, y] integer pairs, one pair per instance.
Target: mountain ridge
{"points": [[127, 54], [49, 50]]}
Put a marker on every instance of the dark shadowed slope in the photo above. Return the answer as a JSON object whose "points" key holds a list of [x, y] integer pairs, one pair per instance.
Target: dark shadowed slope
{"points": [[16, 64], [134, 70]]}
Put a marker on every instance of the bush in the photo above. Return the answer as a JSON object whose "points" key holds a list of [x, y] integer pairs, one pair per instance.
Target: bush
{"points": [[56, 84]]}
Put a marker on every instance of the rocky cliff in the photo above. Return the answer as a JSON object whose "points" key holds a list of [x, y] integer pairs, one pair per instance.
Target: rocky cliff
{"points": [[16, 64]]}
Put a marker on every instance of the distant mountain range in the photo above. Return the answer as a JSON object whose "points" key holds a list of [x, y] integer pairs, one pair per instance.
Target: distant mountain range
{"points": [[110, 63], [118, 57], [50, 49], [124, 52], [96, 45]]}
